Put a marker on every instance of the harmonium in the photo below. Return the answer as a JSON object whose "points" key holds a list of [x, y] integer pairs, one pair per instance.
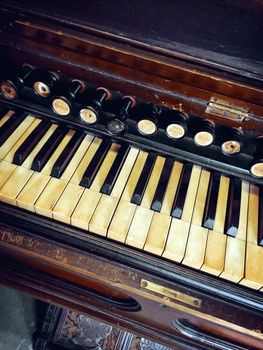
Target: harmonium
{"points": [[131, 164]]}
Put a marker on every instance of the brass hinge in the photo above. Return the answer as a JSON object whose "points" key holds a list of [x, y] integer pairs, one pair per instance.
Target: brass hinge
{"points": [[225, 109]]}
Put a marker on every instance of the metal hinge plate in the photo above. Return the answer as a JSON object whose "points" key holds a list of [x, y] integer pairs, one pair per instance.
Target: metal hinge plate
{"points": [[169, 295], [229, 110]]}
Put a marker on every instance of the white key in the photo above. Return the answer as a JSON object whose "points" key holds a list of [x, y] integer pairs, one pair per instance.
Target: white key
{"points": [[242, 225], [254, 254], [36, 185], [253, 215], [236, 247], [124, 173], [46, 201], [195, 250], [139, 227], [10, 155], [134, 176], [179, 229], [29, 160], [153, 182], [142, 218], [234, 260], [253, 268], [6, 117], [15, 136], [49, 197], [216, 241], [77, 158], [79, 172], [105, 167], [14, 185], [191, 194], [121, 221], [103, 215], [71, 196], [158, 232], [83, 213], [6, 170], [132, 169], [31, 191], [171, 188], [50, 163], [107, 205], [67, 202], [177, 240]]}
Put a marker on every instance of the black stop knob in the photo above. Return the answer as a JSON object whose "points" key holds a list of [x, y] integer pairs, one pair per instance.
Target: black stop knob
{"points": [[44, 84], [62, 105], [10, 88], [256, 166], [232, 141], [175, 124], [118, 124], [90, 113], [204, 133]]}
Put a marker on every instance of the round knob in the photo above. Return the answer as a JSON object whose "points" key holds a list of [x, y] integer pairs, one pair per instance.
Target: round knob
{"points": [[10, 88], [118, 125], [175, 131], [256, 166], [205, 134], [45, 83], [90, 113], [63, 104], [231, 147], [175, 125], [232, 141], [147, 127]]}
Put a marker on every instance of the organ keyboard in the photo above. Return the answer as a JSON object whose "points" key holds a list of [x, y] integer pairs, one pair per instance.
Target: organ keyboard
{"points": [[131, 173], [180, 211]]}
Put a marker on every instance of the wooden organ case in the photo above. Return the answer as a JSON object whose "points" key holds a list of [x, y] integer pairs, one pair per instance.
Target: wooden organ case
{"points": [[131, 164]]}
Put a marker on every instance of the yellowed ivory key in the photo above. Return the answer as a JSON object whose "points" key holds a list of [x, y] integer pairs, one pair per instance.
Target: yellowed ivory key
{"points": [[196, 244], [142, 218], [179, 228], [216, 241]]}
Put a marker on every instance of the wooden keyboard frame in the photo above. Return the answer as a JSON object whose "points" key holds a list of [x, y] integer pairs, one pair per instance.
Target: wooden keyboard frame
{"points": [[43, 257]]}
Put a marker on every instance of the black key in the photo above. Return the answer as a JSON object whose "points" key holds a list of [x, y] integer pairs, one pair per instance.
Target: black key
{"points": [[162, 185], [31, 141], [67, 154], [181, 192], [211, 201], [233, 207], [95, 164], [10, 125], [48, 149], [3, 112], [115, 170], [260, 217], [143, 179]]}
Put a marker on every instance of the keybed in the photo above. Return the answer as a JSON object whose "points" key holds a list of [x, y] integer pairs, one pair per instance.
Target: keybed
{"points": [[176, 210]]}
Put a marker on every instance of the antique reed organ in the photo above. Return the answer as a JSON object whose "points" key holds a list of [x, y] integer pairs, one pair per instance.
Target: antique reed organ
{"points": [[131, 164]]}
